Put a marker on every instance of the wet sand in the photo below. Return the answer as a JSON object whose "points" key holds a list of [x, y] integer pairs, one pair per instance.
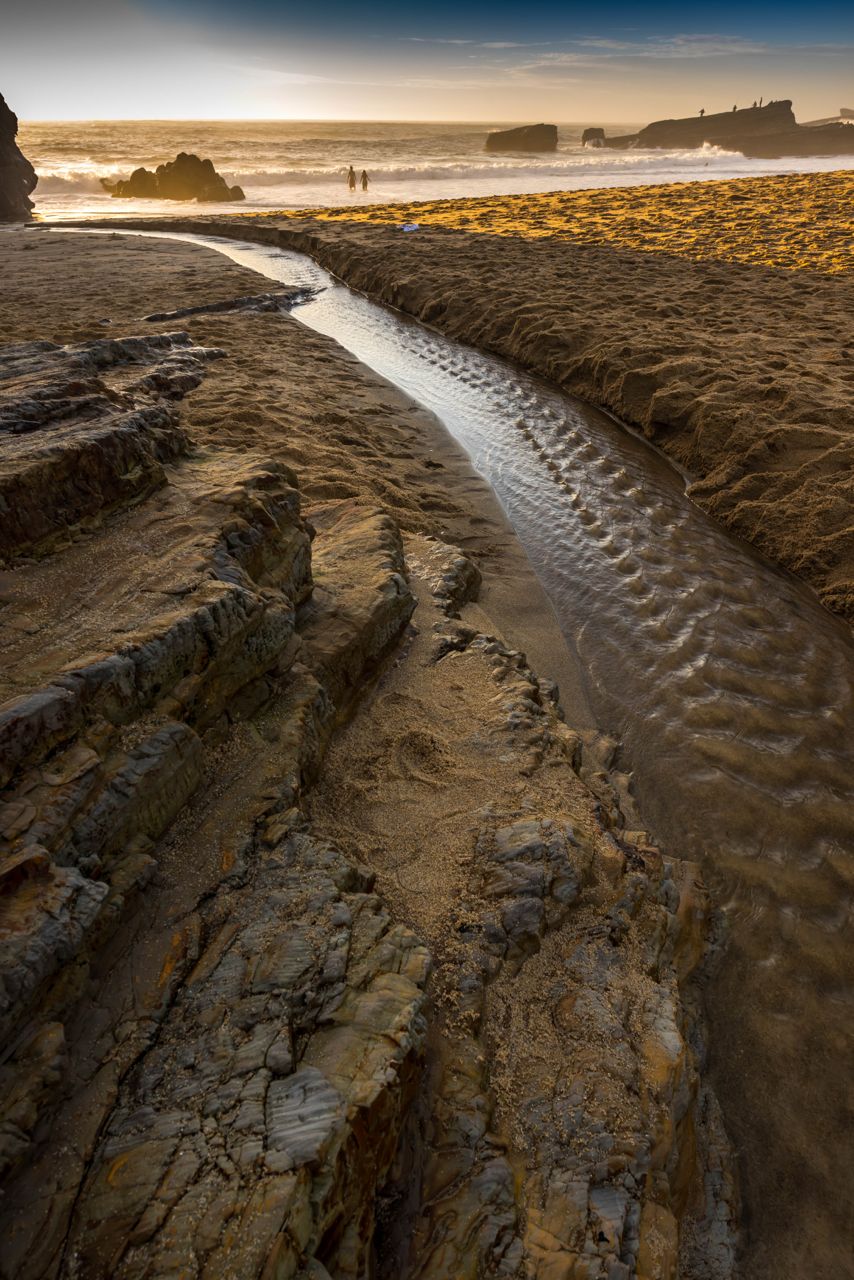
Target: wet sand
{"points": [[489, 308], [715, 317], [291, 392], [477, 724]]}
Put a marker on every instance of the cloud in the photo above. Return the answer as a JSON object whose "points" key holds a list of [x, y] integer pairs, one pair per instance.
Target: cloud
{"points": [[478, 44]]}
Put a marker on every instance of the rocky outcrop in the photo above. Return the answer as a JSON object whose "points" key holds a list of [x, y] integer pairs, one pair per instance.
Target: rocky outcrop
{"points": [[17, 176], [187, 177], [593, 138], [763, 132], [563, 1128], [87, 429], [302, 998], [528, 137], [445, 1026]]}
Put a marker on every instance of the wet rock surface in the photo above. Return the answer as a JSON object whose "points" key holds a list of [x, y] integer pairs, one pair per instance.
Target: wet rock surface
{"points": [[566, 1130]]}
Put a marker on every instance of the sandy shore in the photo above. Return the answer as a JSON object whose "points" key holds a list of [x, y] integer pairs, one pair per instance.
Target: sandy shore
{"points": [[345, 435], [713, 316], [221, 909]]}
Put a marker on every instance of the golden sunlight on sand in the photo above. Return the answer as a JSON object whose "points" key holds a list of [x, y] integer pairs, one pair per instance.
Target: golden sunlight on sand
{"points": [[790, 221]]}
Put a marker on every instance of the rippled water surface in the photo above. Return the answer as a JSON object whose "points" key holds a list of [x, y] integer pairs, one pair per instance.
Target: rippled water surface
{"points": [[731, 688]]}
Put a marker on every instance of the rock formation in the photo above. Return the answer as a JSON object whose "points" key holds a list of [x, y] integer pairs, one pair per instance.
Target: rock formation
{"points": [[593, 138], [187, 177], [17, 176], [528, 137], [228, 1052], [762, 132]]}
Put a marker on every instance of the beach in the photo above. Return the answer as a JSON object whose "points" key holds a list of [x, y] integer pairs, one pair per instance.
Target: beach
{"points": [[326, 715], [183, 638], [713, 318]]}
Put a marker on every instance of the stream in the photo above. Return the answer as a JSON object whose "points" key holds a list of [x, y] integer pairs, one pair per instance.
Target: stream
{"points": [[730, 687]]}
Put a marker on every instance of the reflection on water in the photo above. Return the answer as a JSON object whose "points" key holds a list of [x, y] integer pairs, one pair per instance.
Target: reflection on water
{"points": [[732, 689]]}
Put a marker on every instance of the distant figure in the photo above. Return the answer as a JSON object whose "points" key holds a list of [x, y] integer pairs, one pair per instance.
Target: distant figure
{"points": [[760, 102], [364, 179], [754, 104], [735, 108], [351, 178], [702, 112]]}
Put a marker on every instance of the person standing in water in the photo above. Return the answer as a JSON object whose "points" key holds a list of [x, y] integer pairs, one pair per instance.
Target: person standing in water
{"points": [[351, 178], [364, 179]]}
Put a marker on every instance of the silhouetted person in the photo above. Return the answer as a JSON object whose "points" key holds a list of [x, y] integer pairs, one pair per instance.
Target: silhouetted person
{"points": [[702, 112], [760, 102], [735, 108], [754, 104], [351, 178], [364, 179]]}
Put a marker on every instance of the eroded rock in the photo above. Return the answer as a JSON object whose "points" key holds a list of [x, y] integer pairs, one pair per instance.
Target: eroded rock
{"points": [[17, 176]]}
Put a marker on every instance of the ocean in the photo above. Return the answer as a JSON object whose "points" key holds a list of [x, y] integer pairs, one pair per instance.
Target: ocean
{"points": [[286, 164]]}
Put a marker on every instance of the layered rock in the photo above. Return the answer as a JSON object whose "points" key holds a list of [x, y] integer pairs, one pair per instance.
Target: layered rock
{"points": [[86, 429], [563, 1128], [323, 965], [17, 176], [528, 137], [187, 177]]}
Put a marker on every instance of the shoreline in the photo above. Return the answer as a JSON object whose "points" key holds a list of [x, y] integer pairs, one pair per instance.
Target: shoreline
{"points": [[691, 343]]}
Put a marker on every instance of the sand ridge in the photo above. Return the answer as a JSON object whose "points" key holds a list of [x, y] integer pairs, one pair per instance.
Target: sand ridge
{"points": [[793, 222]]}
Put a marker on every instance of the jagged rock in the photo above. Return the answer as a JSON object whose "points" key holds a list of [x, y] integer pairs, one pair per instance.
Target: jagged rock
{"points": [[528, 137], [17, 176], [187, 177], [566, 1129]]}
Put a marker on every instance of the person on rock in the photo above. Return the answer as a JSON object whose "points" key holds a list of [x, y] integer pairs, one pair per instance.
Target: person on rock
{"points": [[364, 179], [351, 178], [702, 112]]}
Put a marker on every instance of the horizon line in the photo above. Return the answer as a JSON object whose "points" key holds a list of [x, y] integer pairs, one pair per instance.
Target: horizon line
{"points": [[289, 120]]}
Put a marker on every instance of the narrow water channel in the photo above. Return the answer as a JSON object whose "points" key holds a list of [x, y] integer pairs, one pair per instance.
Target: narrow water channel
{"points": [[733, 692]]}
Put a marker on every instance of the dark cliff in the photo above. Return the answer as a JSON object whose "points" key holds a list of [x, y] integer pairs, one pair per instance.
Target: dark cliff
{"points": [[17, 176], [762, 132]]}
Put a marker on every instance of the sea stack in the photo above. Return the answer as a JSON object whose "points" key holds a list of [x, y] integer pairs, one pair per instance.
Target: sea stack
{"points": [[767, 132], [17, 176], [187, 177], [528, 137]]}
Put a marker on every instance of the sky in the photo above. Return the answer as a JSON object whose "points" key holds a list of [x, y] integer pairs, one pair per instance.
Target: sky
{"points": [[498, 61]]}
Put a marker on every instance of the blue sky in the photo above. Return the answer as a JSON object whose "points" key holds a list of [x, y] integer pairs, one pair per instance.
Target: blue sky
{"points": [[67, 59]]}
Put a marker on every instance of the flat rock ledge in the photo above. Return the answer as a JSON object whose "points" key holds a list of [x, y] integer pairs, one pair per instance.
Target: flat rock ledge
{"points": [[227, 1054]]}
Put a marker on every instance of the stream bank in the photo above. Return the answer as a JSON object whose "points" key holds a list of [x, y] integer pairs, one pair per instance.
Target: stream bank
{"points": [[216, 1022], [726, 681]]}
